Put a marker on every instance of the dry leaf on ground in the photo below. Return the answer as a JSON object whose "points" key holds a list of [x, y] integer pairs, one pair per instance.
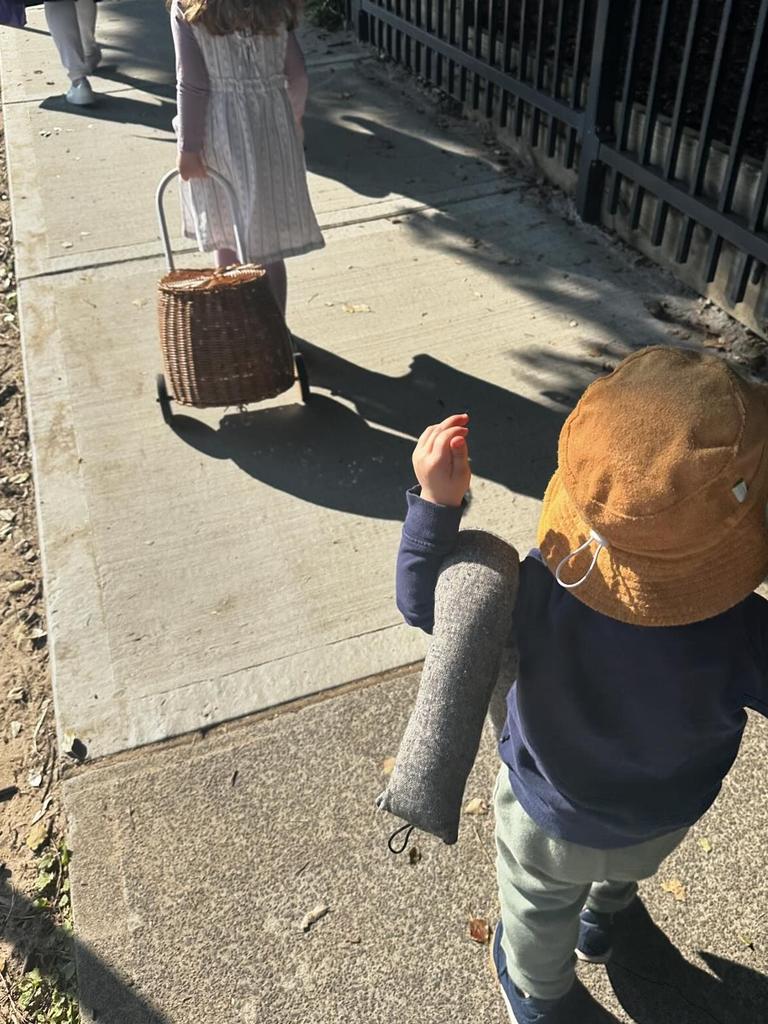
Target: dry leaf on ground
{"points": [[705, 845], [479, 930], [675, 888], [476, 806], [314, 916], [356, 307], [388, 766]]}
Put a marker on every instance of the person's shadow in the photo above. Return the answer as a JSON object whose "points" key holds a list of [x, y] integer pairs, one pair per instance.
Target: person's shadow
{"points": [[351, 455], [655, 984]]}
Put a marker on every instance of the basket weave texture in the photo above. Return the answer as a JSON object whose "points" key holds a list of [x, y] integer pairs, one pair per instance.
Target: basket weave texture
{"points": [[223, 338]]}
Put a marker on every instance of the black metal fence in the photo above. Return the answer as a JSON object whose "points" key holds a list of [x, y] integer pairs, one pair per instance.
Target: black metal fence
{"points": [[657, 106]]}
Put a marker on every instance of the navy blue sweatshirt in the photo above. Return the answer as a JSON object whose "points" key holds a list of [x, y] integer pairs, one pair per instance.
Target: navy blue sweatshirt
{"points": [[615, 733]]}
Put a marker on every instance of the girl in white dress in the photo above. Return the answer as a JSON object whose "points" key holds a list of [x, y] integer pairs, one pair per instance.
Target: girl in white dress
{"points": [[242, 88]]}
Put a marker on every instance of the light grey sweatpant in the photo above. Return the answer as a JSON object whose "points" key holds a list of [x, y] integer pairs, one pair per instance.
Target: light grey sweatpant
{"points": [[543, 885], [72, 24]]}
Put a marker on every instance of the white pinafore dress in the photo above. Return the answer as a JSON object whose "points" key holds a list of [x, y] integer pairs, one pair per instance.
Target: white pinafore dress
{"points": [[251, 138]]}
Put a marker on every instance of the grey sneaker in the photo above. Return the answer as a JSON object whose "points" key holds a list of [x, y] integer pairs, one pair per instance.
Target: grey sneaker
{"points": [[81, 94]]}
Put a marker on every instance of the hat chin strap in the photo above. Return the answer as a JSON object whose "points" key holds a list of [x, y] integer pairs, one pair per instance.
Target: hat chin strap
{"points": [[594, 538]]}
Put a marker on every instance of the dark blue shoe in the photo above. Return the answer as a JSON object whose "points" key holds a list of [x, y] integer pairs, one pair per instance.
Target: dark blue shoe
{"points": [[595, 943], [522, 1009]]}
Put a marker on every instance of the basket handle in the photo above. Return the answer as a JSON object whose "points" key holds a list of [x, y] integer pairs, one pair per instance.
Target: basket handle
{"points": [[234, 210]]}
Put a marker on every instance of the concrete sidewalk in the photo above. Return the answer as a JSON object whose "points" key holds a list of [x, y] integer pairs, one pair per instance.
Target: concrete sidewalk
{"points": [[236, 563]]}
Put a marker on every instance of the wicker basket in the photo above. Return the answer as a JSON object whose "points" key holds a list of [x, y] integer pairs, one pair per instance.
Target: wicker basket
{"points": [[223, 338]]}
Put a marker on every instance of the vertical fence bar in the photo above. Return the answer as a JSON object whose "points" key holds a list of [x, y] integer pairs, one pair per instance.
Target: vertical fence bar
{"points": [[735, 150], [506, 63], [625, 107], [464, 44], [492, 35], [430, 26], [538, 72], [557, 76], [452, 41], [599, 112], [676, 134], [577, 82], [522, 61], [477, 50], [408, 40], [440, 60], [705, 131], [650, 111], [756, 218]]}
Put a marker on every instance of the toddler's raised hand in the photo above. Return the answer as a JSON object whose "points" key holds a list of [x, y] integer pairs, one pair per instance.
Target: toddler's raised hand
{"points": [[441, 461]]}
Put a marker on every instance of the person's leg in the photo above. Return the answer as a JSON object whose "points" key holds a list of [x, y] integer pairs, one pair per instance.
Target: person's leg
{"points": [[226, 257], [278, 282], [86, 19], [65, 32], [611, 897], [539, 913]]}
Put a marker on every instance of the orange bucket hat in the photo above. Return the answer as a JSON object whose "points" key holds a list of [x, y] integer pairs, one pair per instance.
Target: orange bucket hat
{"points": [[656, 514]]}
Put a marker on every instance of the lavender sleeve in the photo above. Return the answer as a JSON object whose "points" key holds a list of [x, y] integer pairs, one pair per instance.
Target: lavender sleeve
{"points": [[191, 84], [429, 535]]}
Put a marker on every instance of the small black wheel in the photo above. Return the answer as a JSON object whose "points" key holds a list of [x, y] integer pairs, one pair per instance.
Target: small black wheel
{"points": [[301, 372], [164, 398]]}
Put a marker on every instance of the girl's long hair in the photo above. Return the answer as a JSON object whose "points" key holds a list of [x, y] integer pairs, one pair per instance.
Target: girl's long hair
{"points": [[258, 17]]}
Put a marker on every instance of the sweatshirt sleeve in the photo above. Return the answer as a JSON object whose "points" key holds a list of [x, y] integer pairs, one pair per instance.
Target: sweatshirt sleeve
{"points": [[429, 535], [191, 83]]}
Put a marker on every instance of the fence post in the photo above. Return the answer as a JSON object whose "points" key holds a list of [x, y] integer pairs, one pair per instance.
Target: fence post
{"points": [[600, 107], [357, 20]]}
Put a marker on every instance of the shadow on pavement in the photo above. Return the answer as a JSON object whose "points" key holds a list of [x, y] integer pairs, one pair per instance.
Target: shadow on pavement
{"points": [[110, 999], [331, 455], [654, 982]]}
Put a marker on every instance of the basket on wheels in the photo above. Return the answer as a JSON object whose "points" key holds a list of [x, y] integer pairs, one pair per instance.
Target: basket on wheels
{"points": [[223, 338]]}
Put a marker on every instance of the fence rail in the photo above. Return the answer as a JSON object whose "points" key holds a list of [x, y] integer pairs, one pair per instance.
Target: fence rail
{"points": [[659, 107]]}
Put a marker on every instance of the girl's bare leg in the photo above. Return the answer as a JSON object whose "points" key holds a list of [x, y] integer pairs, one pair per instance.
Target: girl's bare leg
{"points": [[278, 282], [226, 257]]}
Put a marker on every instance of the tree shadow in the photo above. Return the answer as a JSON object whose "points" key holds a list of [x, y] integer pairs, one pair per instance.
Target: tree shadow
{"points": [[332, 455], [654, 982], [106, 997]]}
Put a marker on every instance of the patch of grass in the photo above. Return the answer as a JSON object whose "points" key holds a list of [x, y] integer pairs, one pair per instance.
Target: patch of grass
{"points": [[46, 992], [327, 14]]}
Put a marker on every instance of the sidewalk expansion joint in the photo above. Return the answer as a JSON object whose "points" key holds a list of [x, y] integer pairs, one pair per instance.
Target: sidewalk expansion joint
{"points": [[241, 722]]}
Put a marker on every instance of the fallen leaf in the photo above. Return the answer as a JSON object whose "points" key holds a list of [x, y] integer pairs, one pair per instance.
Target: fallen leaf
{"points": [[356, 307], [479, 930], [573, 323], [41, 813], [19, 586], [314, 916], [388, 765], [66, 245], [414, 855], [38, 836], [476, 806], [705, 845], [35, 780], [675, 888], [15, 729], [746, 942]]}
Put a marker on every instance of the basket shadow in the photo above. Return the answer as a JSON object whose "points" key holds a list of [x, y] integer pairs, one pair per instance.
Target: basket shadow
{"points": [[345, 450], [323, 453]]}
